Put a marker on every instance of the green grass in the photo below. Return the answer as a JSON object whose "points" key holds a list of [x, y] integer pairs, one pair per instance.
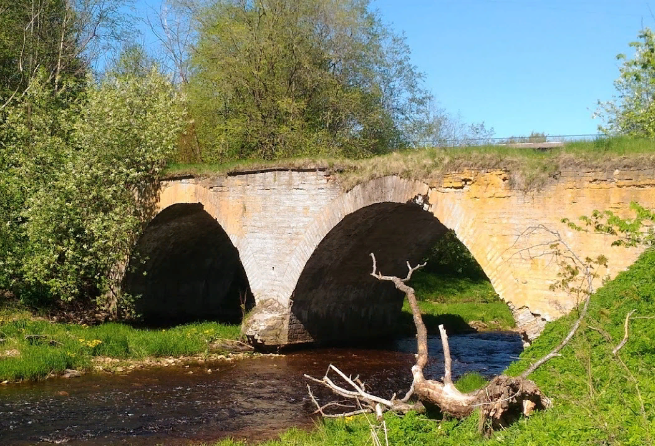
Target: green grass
{"points": [[455, 302], [595, 396], [457, 316], [452, 289], [470, 381], [529, 168], [74, 346]]}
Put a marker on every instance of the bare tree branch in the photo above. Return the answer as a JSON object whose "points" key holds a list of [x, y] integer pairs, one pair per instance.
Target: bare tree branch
{"points": [[625, 337], [503, 397], [588, 277]]}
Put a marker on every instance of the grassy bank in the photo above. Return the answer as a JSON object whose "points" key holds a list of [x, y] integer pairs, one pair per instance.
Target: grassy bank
{"points": [[457, 302], [33, 349], [529, 168], [598, 397]]}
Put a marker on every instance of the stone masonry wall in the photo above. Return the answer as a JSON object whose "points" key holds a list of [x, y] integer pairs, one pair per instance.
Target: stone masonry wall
{"points": [[277, 219]]}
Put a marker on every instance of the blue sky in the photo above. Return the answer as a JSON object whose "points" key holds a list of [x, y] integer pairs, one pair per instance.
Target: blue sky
{"points": [[517, 65], [520, 65]]}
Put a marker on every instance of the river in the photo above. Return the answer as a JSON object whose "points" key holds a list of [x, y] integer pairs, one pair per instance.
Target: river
{"points": [[254, 398]]}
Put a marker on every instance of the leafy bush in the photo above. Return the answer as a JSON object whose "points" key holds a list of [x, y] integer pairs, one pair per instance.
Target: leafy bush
{"points": [[79, 179]]}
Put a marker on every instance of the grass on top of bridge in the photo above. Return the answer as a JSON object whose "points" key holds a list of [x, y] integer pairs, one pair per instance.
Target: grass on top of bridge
{"points": [[528, 168]]}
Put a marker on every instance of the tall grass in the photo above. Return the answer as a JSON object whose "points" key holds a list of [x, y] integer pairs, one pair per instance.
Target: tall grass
{"points": [[33, 349]]}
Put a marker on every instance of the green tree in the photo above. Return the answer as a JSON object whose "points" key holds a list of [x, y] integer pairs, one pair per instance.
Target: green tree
{"points": [[79, 182], [63, 38], [34, 140], [279, 78], [632, 112], [33, 35]]}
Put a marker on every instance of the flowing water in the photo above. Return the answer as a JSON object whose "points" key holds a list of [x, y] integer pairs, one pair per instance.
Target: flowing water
{"points": [[255, 398]]}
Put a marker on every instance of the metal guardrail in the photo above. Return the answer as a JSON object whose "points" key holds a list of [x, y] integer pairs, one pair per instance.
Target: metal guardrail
{"points": [[538, 142]]}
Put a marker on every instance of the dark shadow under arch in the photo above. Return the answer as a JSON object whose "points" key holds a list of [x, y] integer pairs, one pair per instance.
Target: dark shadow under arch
{"points": [[185, 268], [335, 298]]}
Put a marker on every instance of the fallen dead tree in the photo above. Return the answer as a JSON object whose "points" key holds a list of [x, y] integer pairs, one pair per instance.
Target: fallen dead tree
{"points": [[502, 401]]}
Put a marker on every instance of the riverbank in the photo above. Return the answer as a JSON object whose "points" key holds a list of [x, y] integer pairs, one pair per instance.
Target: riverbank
{"points": [[33, 348], [599, 397], [462, 304]]}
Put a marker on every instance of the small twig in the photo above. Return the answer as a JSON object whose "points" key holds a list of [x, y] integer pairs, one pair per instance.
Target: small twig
{"points": [[356, 394], [602, 332], [589, 277], [320, 408], [409, 394], [615, 352], [625, 337], [311, 395], [332, 404], [379, 275], [346, 414]]}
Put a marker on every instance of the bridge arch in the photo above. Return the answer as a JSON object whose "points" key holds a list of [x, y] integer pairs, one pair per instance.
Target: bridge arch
{"points": [[334, 297], [185, 267]]}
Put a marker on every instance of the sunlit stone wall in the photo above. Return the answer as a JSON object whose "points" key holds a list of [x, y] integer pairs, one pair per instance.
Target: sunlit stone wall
{"points": [[278, 219]]}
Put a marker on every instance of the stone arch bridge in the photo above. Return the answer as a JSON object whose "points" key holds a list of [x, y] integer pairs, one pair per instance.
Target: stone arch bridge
{"points": [[300, 243]]}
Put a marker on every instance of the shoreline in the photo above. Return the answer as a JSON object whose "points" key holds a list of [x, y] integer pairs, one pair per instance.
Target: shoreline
{"points": [[107, 365]]}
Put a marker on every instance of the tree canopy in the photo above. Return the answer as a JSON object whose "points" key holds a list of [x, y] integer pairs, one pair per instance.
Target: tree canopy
{"points": [[632, 112], [280, 78], [77, 181], [61, 37]]}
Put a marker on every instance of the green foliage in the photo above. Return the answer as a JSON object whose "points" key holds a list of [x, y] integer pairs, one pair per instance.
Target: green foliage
{"points": [[71, 346], [456, 316], [444, 288], [80, 178], [453, 290], [31, 35], [279, 78], [633, 111], [629, 232], [591, 382], [470, 382], [450, 256], [61, 38]]}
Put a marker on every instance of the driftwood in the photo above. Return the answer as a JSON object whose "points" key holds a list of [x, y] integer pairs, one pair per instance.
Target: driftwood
{"points": [[502, 401]]}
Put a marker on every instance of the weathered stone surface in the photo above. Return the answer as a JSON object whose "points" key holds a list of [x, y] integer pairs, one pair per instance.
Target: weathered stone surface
{"points": [[267, 324], [279, 220]]}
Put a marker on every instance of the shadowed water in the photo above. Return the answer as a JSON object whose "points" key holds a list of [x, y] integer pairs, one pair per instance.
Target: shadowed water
{"points": [[255, 398]]}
